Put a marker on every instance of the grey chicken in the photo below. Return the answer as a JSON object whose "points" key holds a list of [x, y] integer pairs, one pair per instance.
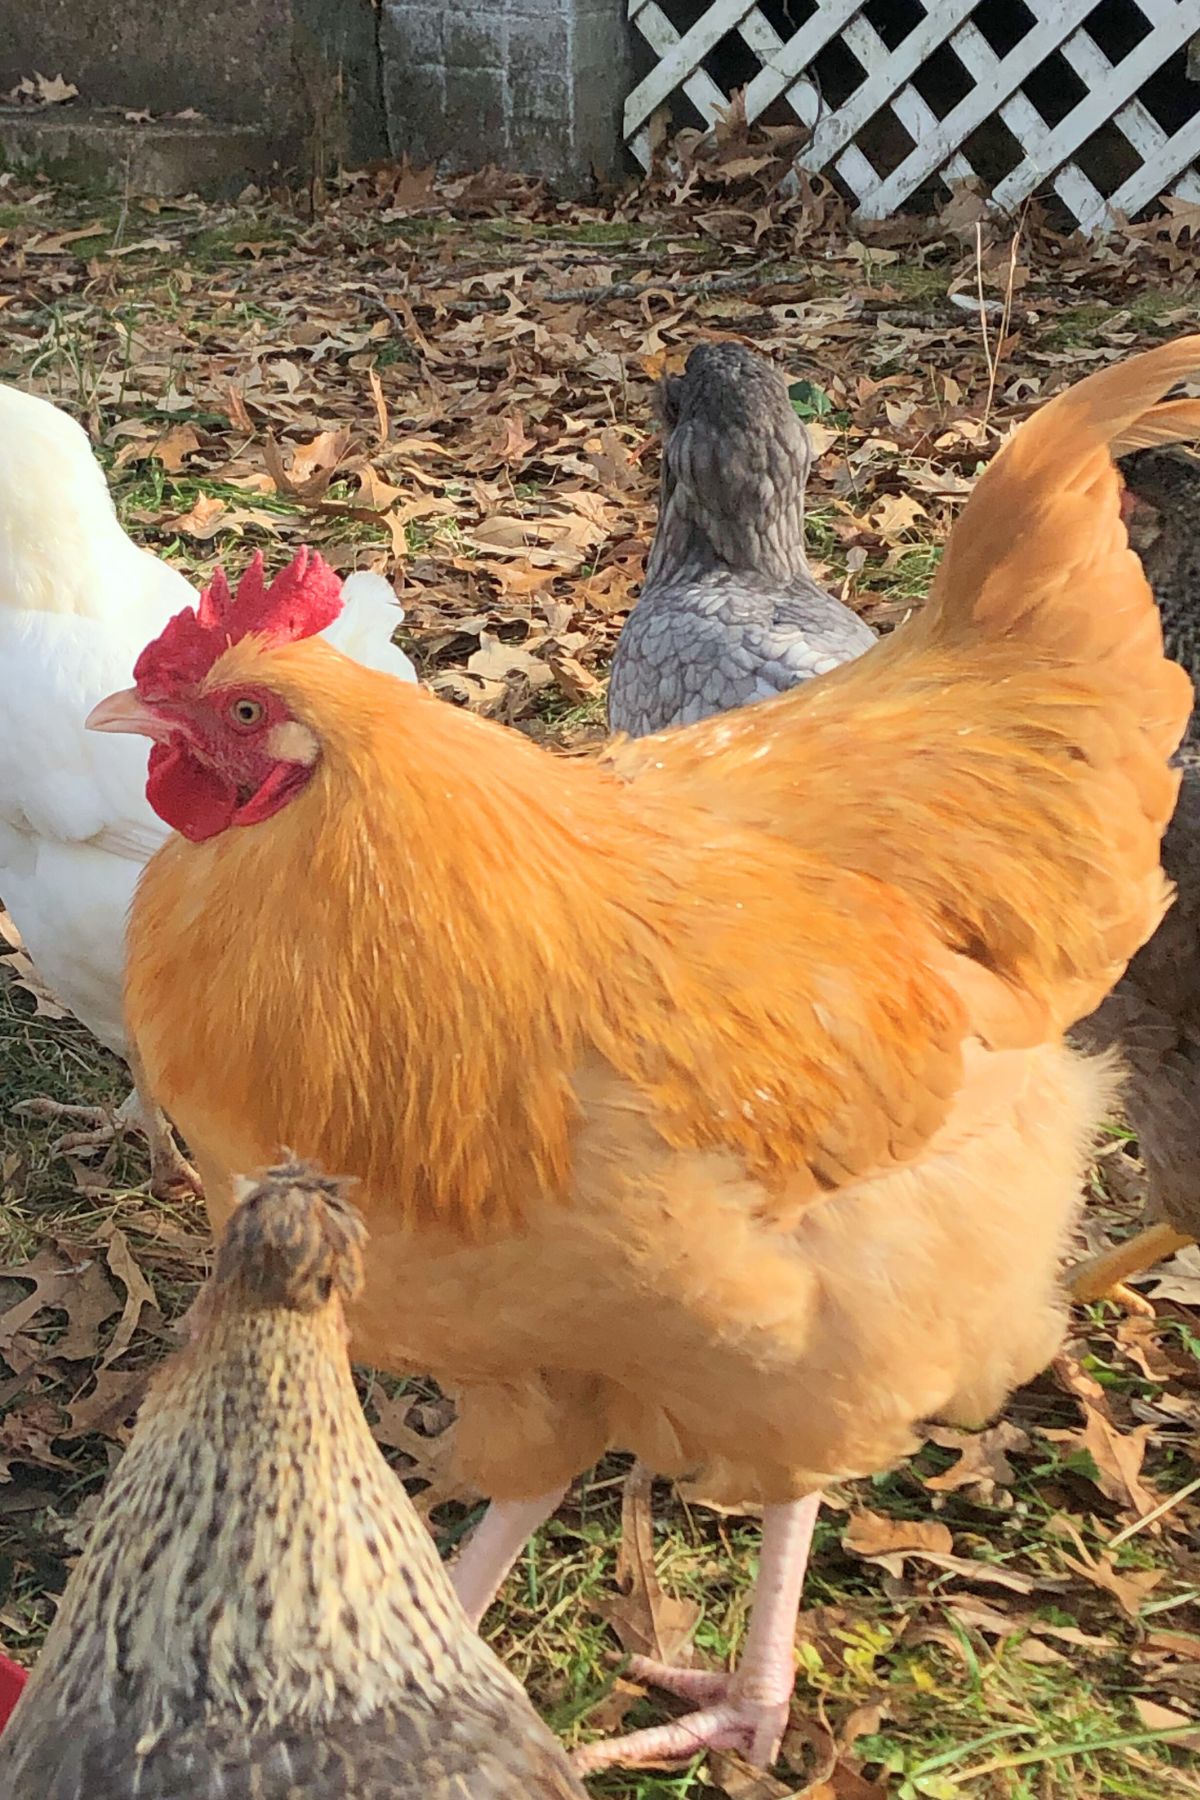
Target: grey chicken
{"points": [[260, 1614], [1153, 1015], [729, 611]]}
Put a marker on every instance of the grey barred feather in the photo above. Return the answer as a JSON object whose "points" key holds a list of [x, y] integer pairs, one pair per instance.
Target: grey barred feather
{"points": [[729, 612]]}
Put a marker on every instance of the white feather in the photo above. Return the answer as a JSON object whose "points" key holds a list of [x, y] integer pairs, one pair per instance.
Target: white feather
{"points": [[78, 602], [370, 614]]}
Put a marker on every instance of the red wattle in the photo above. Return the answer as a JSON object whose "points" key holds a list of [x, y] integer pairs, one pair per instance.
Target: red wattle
{"points": [[199, 803], [192, 799]]}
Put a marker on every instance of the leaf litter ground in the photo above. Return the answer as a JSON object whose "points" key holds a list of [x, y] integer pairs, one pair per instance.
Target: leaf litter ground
{"points": [[453, 383]]}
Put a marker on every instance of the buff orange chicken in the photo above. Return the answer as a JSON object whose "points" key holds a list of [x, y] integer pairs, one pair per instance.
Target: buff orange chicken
{"points": [[708, 1099]]}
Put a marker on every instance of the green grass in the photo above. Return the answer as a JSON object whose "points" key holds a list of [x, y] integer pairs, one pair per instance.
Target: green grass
{"points": [[218, 245], [1144, 311]]}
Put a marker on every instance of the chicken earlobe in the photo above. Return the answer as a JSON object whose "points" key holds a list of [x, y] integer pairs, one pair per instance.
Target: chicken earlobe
{"points": [[259, 1612]]}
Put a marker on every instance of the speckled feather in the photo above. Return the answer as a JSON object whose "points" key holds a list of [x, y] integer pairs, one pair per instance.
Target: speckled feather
{"points": [[1153, 1014], [729, 612], [259, 1613], [726, 1070]]}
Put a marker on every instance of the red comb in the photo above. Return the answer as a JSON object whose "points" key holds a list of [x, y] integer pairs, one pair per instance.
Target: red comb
{"points": [[302, 600]]}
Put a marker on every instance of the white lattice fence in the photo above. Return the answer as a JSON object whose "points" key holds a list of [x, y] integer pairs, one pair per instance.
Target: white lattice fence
{"points": [[1053, 89]]}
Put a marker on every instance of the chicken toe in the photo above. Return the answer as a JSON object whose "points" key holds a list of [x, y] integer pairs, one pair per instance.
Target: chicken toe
{"points": [[95, 1131], [98, 1131], [747, 1710], [1103, 1277], [752, 1729], [172, 1176]]}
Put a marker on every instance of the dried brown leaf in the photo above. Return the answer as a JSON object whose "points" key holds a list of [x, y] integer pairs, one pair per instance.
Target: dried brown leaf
{"points": [[647, 1621], [203, 520], [27, 1435], [43, 90], [1164, 1718], [736, 1778], [24, 975], [1178, 1279], [577, 683], [983, 1458], [1129, 1587], [382, 424], [376, 493], [109, 1405], [88, 1300], [895, 516], [51, 1276], [238, 416], [1117, 1454], [138, 1293], [874, 1534], [174, 447]]}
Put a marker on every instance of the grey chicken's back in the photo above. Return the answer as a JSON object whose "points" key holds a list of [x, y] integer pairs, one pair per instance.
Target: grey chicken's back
{"points": [[729, 611], [721, 641], [1153, 1017]]}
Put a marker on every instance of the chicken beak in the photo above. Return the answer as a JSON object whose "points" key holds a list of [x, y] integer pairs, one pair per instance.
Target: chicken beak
{"points": [[126, 712]]}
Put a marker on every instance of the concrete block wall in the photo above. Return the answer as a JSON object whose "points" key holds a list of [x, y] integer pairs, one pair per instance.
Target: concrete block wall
{"points": [[224, 58], [534, 85], [279, 83]]}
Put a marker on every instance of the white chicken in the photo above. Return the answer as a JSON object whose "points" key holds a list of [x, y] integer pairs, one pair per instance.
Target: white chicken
{"points": [[78, 600]]}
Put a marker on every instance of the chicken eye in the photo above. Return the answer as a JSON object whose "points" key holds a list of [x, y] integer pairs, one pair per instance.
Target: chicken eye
{"points": [[246, 713]]}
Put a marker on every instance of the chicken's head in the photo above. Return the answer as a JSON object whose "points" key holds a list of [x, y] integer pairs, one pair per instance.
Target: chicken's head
{"points": [[226, 751]]}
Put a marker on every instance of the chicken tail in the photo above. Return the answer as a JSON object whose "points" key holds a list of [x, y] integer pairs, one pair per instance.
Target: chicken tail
{"points": [[1040, 592], [293, 1244], [1040, 553], [1171, 422]]}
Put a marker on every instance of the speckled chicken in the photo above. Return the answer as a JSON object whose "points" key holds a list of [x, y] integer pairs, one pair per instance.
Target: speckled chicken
{"points": [[1153, 1015], [729, 611], [260, 1614]]}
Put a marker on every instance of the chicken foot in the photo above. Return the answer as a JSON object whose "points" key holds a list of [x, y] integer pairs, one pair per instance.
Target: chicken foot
{"points": [[479, 1571], [747, 1710], [97, 1128], [1103, 1277]]}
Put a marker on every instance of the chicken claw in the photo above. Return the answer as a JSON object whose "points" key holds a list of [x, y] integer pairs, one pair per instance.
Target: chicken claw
{"points": [[747, 1710], [754, 1728], [1106, 1275], [99, 1130]]}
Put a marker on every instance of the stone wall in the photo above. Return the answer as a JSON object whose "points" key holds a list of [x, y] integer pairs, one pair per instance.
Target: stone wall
{"points": [[535, 85], [229, 59], [284, 84]]}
